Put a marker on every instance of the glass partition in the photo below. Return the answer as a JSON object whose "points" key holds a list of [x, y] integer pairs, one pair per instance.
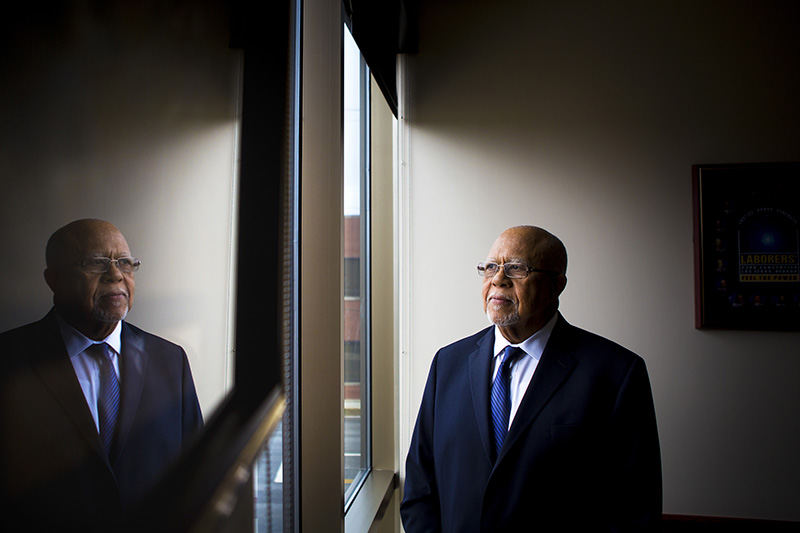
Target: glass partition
{"points": [[148, 116]]}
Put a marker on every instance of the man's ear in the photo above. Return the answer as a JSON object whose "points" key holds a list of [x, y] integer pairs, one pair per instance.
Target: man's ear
{"points": [[559, 283], [50, 279]]}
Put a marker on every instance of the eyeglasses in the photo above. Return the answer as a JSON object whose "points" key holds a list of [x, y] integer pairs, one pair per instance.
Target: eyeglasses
{"points": [[101, 265], [511, 270]]}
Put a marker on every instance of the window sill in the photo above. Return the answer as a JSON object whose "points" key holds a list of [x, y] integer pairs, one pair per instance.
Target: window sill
{"points": [[371, 501]]}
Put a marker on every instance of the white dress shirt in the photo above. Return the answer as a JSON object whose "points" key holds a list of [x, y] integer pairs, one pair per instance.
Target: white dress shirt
{"points": [[522, 370], [87, 370]]}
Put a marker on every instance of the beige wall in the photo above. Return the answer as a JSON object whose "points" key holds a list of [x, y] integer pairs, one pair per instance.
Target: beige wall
{"points": [[585, 118], [129, 114], [384, 341]]}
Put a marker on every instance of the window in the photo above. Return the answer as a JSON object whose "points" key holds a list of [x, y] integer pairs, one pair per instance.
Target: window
{"points": [[268, 506], [356, 347], [352, 266]]}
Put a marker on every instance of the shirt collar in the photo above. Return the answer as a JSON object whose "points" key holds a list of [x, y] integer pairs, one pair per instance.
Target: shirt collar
{"points": [[76, 342], [533, 345]]}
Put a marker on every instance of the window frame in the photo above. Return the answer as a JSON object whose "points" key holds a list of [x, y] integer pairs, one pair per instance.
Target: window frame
{"points": [[365, 318]]}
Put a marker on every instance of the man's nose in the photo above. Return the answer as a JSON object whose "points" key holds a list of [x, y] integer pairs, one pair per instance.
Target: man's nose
{"points": [[113, 273], [500, 278]]}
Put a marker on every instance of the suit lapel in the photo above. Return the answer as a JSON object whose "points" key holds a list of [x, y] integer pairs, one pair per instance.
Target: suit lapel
{"points": [[554, 367], [479, 364], [133, 362], [54, 368]]}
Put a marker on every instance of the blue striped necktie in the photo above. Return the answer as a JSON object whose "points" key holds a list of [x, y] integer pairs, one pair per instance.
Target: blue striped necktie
{"points": [[501, 399], [108, 395]]}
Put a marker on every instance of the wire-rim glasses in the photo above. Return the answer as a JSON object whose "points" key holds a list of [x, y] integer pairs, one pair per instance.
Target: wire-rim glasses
{"points": [[513, 270], [101, 265]]}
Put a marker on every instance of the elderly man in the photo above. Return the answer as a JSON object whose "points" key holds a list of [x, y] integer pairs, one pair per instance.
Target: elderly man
{"points": [[532, 424], [92, 409]]}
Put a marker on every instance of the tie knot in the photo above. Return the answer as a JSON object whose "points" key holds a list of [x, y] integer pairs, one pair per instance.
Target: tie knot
{"points": [[100, 350], [511, 354]]}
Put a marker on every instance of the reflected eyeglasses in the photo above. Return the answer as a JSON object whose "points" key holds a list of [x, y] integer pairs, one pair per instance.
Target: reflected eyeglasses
{"points": [[101, 265]]}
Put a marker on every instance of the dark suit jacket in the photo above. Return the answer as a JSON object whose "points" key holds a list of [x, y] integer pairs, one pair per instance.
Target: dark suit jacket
{"points": [[53, 473], [582, 452]]}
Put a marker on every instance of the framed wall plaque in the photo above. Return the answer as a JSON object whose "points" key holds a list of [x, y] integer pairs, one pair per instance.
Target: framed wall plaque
{"points": [[747, 246]]}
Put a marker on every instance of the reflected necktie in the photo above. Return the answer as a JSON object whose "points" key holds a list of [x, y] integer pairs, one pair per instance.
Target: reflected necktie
{"points": [[108, 395], [501, 399]]}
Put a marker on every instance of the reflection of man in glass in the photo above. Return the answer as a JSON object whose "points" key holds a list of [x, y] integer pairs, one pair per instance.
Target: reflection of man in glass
{"points": [[92, 409]]}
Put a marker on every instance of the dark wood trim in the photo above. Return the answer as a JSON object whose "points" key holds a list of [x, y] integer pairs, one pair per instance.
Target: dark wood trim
{"points": [[679, 523]]}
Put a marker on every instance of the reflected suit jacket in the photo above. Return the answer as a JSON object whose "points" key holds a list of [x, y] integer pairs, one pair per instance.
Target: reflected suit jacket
{"points": [[581, 454], [54, 474]]}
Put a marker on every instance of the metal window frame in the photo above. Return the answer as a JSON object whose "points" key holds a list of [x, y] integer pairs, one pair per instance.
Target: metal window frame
{"points": [[365, 274]]}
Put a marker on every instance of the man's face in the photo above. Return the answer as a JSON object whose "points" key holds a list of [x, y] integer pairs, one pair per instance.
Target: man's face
{"points": [[92, 302], [520, 306]]}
